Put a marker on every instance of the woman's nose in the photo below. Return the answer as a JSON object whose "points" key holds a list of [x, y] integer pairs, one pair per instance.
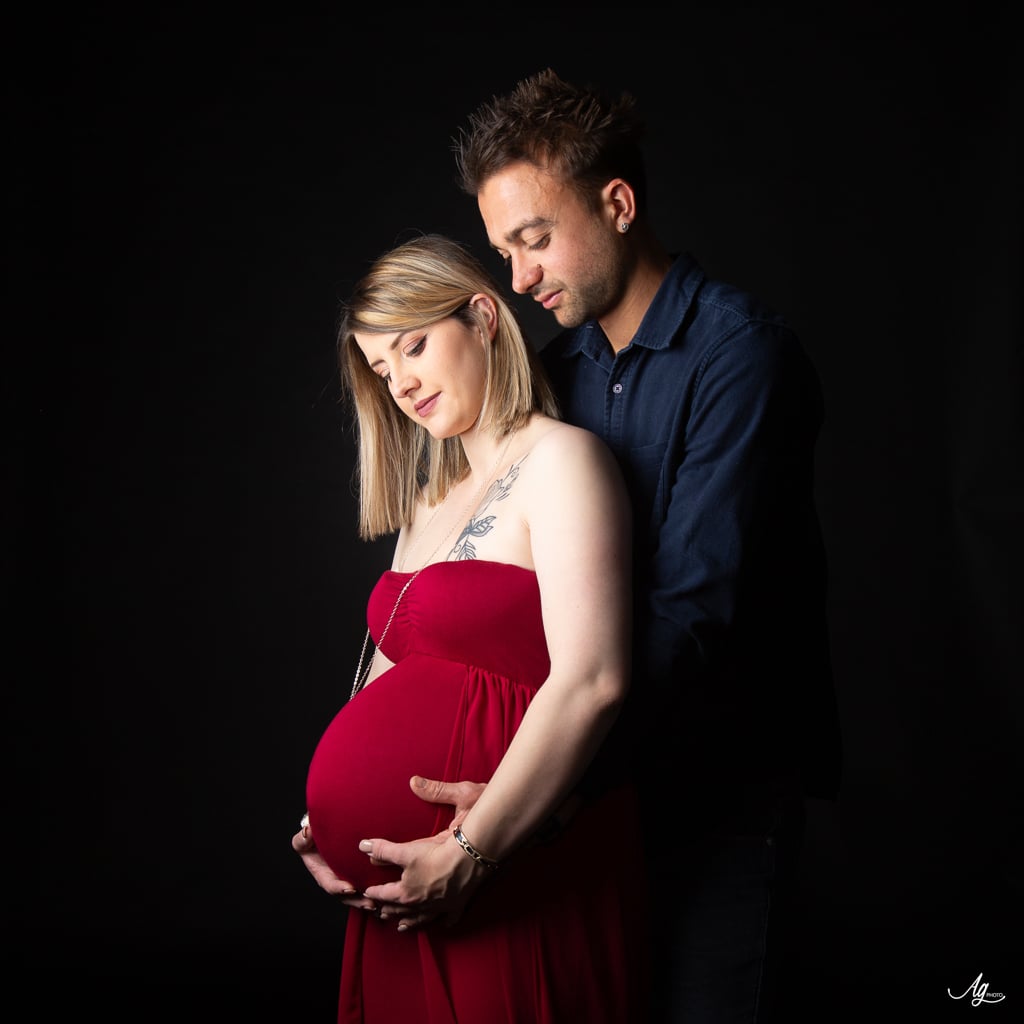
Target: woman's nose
{"points": [[402, 382]]}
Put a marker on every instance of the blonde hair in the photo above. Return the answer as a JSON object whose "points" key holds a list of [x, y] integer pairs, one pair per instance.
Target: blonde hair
{"points": [[414, 285]]}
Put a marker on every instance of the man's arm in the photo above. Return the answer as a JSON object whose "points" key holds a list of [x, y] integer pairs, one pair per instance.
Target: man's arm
{"points": [[740, 514]]}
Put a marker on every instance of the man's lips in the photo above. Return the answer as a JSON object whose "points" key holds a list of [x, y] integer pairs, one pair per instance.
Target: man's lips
{"points": [[424, 407], [548, 299]]}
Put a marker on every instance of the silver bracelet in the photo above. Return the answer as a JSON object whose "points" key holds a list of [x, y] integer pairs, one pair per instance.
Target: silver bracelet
{"points": [[473, 851]]}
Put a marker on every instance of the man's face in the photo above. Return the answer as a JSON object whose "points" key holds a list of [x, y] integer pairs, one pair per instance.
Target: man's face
{"points": [[562, 252]]}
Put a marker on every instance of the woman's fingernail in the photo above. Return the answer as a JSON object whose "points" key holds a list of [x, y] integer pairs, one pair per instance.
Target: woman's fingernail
{"points": [[366, 846]]}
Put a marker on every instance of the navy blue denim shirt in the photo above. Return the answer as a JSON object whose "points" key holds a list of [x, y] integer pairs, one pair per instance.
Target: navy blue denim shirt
{"points": [[713, 411]]}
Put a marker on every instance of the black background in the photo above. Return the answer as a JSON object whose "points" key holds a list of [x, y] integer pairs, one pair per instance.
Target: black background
{"points": [[191, 196]]}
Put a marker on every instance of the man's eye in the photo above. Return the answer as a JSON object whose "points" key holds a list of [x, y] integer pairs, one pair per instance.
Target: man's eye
{"points": [[541, 243]]}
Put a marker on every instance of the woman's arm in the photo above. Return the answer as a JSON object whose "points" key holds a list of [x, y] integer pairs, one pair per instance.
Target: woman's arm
{"points": [[580, 540], [577, 515]]}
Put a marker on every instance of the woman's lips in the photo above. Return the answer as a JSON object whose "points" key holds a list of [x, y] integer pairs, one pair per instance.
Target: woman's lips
{"points": [[423, 408]]}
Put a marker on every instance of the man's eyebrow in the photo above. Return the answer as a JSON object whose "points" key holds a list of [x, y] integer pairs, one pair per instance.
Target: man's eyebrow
{"points": [[536, 222]]}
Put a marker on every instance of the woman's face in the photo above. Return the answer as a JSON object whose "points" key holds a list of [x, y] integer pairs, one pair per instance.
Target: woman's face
{"points": [[435, 374]]}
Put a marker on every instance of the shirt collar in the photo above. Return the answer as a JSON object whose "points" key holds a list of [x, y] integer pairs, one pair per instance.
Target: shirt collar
{"points": [[663, 318]]}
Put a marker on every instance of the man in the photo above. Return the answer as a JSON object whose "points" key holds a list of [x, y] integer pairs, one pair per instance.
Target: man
{"points": [[713, 409]]}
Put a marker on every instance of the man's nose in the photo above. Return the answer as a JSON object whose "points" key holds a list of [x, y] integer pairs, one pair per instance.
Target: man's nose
{"points": [[526, 275]]}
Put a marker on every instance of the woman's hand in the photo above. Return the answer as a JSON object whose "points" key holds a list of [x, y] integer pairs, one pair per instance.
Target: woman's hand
{"points": [[438, 880], [303, 845]]}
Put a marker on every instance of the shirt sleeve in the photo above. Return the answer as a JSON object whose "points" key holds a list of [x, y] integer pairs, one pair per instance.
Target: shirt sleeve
{"points": [[738, 532]]}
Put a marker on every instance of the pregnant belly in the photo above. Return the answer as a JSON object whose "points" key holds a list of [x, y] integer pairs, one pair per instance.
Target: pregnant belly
{"points": [[357, 788]]}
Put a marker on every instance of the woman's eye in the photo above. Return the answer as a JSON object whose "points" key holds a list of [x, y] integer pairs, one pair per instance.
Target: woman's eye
{"points": [[416, 348]]}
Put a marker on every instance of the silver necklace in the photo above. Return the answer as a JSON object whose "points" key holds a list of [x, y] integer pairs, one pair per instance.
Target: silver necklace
{"points": [[360, 679]]}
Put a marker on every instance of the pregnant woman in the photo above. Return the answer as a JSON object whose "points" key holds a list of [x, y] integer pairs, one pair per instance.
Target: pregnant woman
{"points": [[497, 651]]}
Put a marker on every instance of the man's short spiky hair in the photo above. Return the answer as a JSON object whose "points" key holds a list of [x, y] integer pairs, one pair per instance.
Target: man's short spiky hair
{"points": [[575, 131]]}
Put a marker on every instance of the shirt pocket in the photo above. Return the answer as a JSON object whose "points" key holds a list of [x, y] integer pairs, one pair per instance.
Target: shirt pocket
{"points": [[643, 472]]}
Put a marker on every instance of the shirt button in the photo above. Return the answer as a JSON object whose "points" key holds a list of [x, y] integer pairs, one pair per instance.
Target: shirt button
{"points": [[617, 388]]}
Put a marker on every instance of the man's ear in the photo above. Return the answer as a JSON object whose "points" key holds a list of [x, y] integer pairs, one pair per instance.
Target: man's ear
{"points": [[619, 200]]}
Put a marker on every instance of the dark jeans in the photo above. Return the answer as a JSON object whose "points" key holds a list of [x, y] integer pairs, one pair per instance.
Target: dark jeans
{"points": [[722, 901]]}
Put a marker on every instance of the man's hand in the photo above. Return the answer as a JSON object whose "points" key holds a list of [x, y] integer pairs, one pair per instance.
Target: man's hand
{"points": [[460, 795]]}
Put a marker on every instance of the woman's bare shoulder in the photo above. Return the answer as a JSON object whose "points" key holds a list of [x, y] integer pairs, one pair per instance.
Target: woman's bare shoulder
{"points": [[551, 437], [562, 444]]}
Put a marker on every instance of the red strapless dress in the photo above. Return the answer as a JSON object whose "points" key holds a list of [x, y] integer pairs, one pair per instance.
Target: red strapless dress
{"points": [[557, 935]]}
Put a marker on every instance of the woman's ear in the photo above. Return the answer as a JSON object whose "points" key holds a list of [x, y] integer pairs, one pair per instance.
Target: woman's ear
{"points": [[487, 312]]}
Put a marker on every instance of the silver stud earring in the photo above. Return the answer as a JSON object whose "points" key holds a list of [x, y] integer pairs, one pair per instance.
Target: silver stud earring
{"points": [[624, 226]]}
